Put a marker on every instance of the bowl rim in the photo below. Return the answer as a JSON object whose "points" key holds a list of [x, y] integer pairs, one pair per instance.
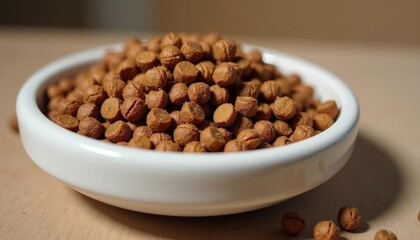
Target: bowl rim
{"points": [[28, 110]]}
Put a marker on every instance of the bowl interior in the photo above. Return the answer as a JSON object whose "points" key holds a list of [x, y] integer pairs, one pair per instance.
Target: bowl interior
{"points": [[327, 87]]}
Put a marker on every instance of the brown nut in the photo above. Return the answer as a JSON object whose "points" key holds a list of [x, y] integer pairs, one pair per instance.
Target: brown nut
{"points": [[68, 122], [199, 93], [135, 124], [418, 216], [211, 37], [246, 106], [192, 113], [254, 55], [192, 51], [245, 66], [119, 131], [13, 123], [250, 138], [282, 128], [304, 90], [237, 69], [111, 109], [91, 127], [264, 145], [140, 142], [186, 133], [75, 95], [218, 95], [322, 121], [224, 115], [106, 125], [328, 107], [155, 78], [134, 89], [171, 39], [52, 115], [301, 118], [185, 72], [270, 90], [194, 147], [176, 119], [265, 130], [257, 82], [349, 218], [109, 76], [114, 87], [142, 131], [156, 99], [283, 108], [326, 230], [87, 110], [168, 146], [53, 102], [259, 71], [247, 89], [301, 133], [205, 124], [112, 59], [132, 51], [146, 60], [133, 109], [207, 50], [385, 235], [158, 120], [224, 75], [94, 94], [281, 141], [212, 139], [226, 134], [178, 94], [224, 50], [156, 138], [292, 223], [264, 112], [205, 72], [153, 44], [235, 146], [54, 91], [66, 85], [170, 56], [301, 102], [240, 124], [285, 86], [68, 107], [127, 69]]}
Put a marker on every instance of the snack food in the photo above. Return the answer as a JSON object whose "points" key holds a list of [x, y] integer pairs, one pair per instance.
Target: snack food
{"points": [[172, 91], [326, 230], [349, 218], [385, 235], [292, 223]]}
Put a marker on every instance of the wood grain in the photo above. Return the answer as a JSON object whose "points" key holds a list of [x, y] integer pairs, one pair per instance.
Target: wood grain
{"points": [[381, 178]]}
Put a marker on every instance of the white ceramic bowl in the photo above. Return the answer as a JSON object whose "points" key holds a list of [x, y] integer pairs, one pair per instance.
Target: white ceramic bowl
{"points": [[186, 184]]}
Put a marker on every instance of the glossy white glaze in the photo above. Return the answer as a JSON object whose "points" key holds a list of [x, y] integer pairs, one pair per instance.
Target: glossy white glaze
{"points": [[187, 184]]}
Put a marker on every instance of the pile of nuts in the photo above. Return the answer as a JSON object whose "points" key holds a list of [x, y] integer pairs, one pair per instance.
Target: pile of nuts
{"points": [[348, 218], [191, 93]]}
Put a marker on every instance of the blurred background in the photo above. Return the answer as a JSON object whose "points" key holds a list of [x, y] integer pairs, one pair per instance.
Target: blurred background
{"points": [[387, 21]]}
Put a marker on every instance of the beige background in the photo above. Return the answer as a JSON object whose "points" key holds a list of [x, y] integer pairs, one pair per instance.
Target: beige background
{"points": [[357, 20], [391, 21]]}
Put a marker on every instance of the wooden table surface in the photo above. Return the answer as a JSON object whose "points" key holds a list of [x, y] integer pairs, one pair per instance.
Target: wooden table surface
{"points": [[382, 178]]}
